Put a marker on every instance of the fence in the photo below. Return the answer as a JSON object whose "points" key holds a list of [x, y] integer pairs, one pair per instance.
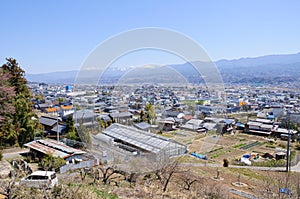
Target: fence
{"points": [[85, 164]]}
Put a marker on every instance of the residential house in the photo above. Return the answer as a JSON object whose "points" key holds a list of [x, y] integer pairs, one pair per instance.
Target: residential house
{"points": [[122, 118], [66, 110], [142, 126], [193, 125], [85, 117]]}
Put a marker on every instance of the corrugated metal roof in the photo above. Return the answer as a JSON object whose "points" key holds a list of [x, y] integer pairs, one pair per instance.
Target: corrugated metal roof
{"points": [[56, 149], [48, 121]]}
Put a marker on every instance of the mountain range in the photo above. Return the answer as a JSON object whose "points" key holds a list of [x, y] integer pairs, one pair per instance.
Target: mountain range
{"points": [[264, 69]]}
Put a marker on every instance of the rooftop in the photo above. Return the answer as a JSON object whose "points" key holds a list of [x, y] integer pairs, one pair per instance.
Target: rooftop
{"points": [[144, 140], [54, 148], [48, 121]]}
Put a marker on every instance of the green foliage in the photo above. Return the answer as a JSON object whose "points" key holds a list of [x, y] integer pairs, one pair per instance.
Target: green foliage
{"points": [[17, 78], [61, 100], [271, 146], [239, 145], [104, 124], [297, 146], [71, 130], [1, 155], [151, 116], [200, 102], [270, 163], [17, 127], [286, 123], [104, 194], [142, 116], [282, 145], [72, 136], [83, 133], [50, 162]]}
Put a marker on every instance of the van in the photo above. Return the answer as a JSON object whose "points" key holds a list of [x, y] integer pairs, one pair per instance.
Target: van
{"points": [[40, 179]]}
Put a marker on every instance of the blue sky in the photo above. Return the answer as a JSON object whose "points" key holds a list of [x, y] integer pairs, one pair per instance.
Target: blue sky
{"points": [[58, 35]]}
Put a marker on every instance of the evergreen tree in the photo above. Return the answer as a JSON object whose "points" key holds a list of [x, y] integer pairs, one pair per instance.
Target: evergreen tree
{"points": [[7, 95], [7, 109], [20, 128], [16, 79], [142, 116], [70, 129]]}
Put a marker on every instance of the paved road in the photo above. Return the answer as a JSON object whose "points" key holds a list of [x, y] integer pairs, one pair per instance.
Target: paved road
{"points": [[14, 154], [295, 168]]}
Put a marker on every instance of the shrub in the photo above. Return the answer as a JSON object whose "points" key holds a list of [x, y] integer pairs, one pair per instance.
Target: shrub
{"points": [[282, 145], [49, 162], [297, 146], [225, 162], [1, 155]]}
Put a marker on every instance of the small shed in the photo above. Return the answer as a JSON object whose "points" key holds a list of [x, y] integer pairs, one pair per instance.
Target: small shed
{"points": [[39, 148]]}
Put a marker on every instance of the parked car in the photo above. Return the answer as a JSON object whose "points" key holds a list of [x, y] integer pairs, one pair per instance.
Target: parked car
{"points": [[40, 179]]}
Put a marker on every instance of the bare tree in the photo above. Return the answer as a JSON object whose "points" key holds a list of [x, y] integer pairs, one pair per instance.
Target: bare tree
{"points": [[8, 187], [106, 174], [280, 185], [188, 179], [166, 172]]}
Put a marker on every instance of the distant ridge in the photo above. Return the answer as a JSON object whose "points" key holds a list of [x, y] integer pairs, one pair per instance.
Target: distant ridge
{"points": [[262, 60], [236, 70]]}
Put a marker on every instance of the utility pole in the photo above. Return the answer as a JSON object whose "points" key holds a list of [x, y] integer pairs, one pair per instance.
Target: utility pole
{"points": [[288, 152], [57, 125], [288, 145]]}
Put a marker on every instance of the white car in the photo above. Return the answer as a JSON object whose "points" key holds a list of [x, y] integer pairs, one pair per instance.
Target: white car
{"points": [[40, 179]]}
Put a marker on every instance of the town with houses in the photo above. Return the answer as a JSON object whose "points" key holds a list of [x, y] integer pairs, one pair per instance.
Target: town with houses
{"points": [[120, 118], [150, 99], [134, 127]]}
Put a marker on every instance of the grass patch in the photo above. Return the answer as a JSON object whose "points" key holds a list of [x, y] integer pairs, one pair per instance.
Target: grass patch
{"points": [[198, 137], [219, 153], [247, 172], [282, 145], [239, 145], [217, 149], [104, 194], [187, 141], [271, 146], [270, 163], [167, 135], [189, 102], [189, 159], [211, 132]]}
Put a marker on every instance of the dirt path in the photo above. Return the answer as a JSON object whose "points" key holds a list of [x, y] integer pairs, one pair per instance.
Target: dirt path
{"points": [[14, 153]]}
